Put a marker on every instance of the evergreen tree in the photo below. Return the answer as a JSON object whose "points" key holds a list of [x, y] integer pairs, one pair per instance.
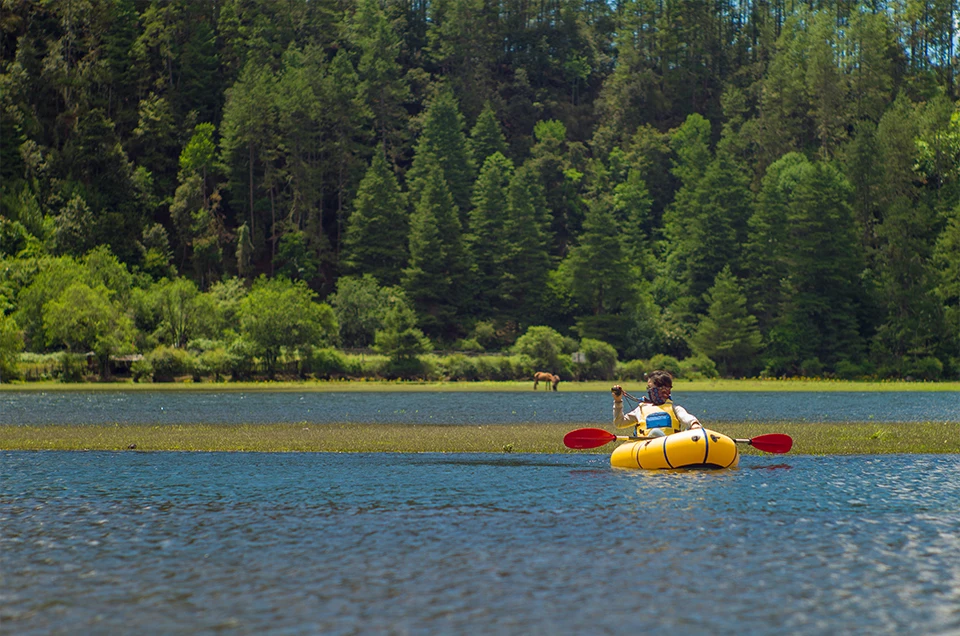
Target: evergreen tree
{"points": [[382, 84], [819, 317], [487, 237], [486, 137], [560, 182], [727, 334], [597, 268], [707, 224], [436, 277], [526, 261], [914, 327], [947, 261], [443, 140], [376, 236], [768, 240], [825, 84]]}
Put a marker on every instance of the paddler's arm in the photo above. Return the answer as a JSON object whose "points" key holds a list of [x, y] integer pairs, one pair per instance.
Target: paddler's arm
{"points": [[621, 419], [685, 418]]}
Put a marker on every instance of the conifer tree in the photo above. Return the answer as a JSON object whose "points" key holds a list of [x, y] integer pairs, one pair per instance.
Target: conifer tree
{"points": [[486, 136], [913, 327], [768, 240], [487, 237], [819, 317], [383, 86], [947, 261], [560, 183], [443, 139], [526, 262], [707, 223], [727, 334], [436, 279], [377, 231]]}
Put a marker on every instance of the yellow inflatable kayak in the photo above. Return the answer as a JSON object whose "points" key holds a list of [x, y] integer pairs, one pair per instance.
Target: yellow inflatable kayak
{"points": [[697, 448]]}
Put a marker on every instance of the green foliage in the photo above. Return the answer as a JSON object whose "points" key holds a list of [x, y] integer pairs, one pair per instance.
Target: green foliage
{"points": [[728, 335], [486, 137], [376, 239], [813, 150], [488, 239], [436, 279], [601, 360], [544, 347], [327, 363], [665, 362], [360, 306], [698, 367], [443, 140], [167, 363], [85, 319], [401, 341], [280, 315], [72, 367], [11, 344]]}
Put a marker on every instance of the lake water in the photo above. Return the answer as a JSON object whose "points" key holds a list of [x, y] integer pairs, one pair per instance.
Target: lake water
{"points": [[306, 543], [160, 407]]}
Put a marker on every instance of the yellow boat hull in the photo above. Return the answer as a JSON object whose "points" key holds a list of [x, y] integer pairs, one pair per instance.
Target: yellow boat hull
{"points": [[697, 448]]}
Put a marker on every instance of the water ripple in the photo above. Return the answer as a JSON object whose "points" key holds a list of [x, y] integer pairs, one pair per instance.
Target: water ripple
{"points": [[430, 543]]}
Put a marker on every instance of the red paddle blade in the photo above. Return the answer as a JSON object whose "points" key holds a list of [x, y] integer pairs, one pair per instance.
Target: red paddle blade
{"points": [[773, 443], [588, 438]]}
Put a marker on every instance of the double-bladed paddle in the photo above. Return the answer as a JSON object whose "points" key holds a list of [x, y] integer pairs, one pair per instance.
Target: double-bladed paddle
{"points": [[594, 437]]}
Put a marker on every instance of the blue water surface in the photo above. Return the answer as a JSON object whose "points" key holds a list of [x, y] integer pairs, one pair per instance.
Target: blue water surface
{"points": [[457, 408], [306, 543]]}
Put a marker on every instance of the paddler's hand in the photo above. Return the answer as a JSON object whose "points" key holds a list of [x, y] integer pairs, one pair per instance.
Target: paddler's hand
{"points": [[617, 391]]}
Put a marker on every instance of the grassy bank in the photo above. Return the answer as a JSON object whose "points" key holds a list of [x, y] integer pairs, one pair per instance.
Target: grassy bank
{"points": [[361, 385], [809, 439]]}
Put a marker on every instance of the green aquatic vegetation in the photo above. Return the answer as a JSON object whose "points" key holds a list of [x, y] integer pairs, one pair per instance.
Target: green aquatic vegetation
{"points": [[809, 438]]}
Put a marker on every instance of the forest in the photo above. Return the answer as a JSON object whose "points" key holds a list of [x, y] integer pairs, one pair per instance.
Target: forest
{"points": [[734, 188]]}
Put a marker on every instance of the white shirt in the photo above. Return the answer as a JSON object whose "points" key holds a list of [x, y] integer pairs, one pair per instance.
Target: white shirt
{"points": [[634, 417]]}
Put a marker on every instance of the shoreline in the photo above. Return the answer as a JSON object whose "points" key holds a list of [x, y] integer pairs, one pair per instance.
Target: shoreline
{"points": [[864, 438], [321, 386]]}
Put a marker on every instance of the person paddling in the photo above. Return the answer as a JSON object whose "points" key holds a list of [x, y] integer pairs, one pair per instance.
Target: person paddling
{"points": [[656, 414]]}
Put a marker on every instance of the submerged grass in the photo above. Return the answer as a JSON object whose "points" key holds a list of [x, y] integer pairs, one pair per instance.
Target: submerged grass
{"points": [[809, 439]]}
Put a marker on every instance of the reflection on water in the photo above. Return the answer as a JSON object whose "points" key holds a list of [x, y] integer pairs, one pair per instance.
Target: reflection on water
{"points": [[457, 408], [433, 543]]}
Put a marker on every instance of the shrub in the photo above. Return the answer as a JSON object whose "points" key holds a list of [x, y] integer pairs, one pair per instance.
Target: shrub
{"points": [[459, 367], [406, 369], [240, 359], [39, 366], [811, 368], [848, 370], [698, 367], [485, 334], [601, 360], [545, 348], [326, 363], [632, 370], [73, 367], [215, 362], [141, 370], [468, 344], [667, 363], [928, 368], [168, 363]]}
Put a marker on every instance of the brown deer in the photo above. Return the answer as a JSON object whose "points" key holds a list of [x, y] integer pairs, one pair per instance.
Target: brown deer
{"points": [[540, 376]]}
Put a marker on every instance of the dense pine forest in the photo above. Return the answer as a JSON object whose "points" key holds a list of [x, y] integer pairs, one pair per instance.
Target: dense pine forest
{"points": [[251, 186]]}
